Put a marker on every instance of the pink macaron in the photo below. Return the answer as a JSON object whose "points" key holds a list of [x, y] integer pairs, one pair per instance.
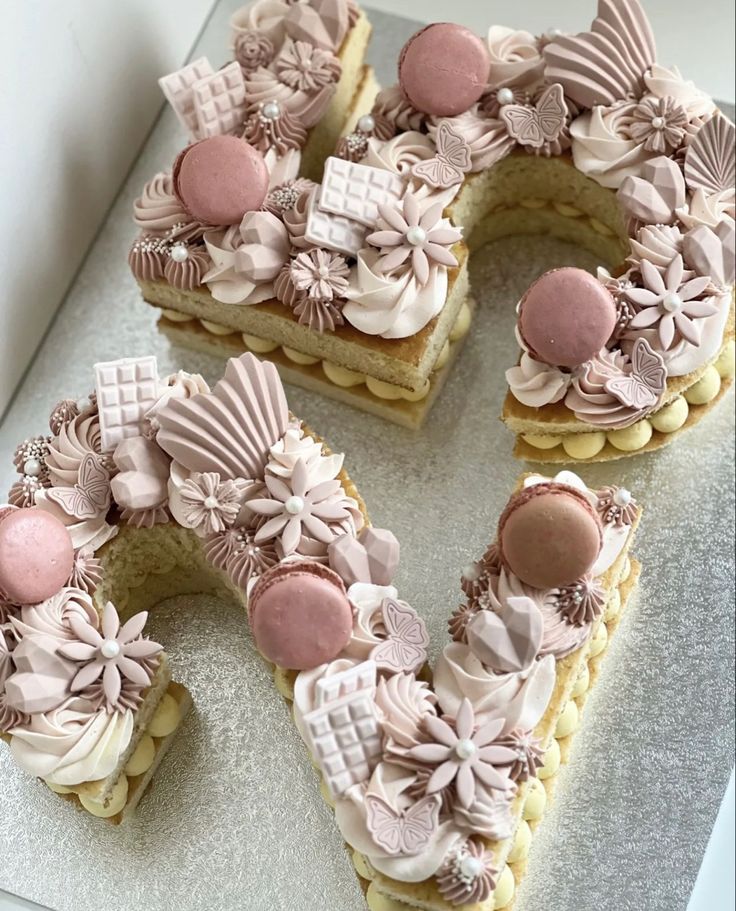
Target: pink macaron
{"points": [[36, 555], [549, 535], [566, 317], [219, 179], [300, 615], [443, 69]]}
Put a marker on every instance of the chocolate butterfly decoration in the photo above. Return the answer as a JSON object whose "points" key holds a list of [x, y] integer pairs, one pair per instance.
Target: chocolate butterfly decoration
{"points": [[643, 388], [90, 496], [609, 61], [402, 831], [451, 163], [533, 125], [405, 648]]}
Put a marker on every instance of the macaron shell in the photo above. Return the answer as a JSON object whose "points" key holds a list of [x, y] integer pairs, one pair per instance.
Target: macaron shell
{"points": [[36, 556], [300, 616], [219, 179], [443, 69], [566, 317], [549, 536]]}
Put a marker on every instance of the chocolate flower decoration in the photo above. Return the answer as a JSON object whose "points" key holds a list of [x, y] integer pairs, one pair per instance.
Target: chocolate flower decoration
{"points": [[295, 507], [307, 68], [462, 753], [209, 503], [115, 653], [669, 303], [468, 876], [321, 274], [658, 124], [405, 234]]}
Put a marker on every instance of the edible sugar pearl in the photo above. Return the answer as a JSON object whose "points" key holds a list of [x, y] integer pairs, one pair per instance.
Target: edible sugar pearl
{"points": [[471, 868], [552, 33], [110, 649], [465, 749], [366, 124], [32, 468], [271, 110], [672, 302], [179, 253], [658, 123], [622, 497], [416, 236], [211, 503], [294, 505], [505, 96]]}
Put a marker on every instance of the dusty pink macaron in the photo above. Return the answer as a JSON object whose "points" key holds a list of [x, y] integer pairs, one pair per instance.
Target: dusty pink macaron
{"points": [[219, 179], [300, 615], [36, 555], [549, 535], [566, 317], [443, 69]]}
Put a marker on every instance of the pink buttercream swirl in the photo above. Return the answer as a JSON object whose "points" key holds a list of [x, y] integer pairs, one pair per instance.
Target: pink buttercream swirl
{"points": [[536, 384]]}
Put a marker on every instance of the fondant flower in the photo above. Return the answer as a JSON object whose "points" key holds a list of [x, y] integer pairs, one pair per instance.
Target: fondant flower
{"points": [[465, 754], [253, 49], [405, 233], [658, 124], [582, 602], [114, 653], [296, 506], [305, 67], [671, 304], [322, 274], [468, 876], [209, 503], [319, 315], [616, 506]]}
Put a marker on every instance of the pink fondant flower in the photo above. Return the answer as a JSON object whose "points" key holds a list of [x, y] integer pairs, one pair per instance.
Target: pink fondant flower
{"points": [[307, 68], [323, 275], [658, 124], [113, 653], [405, 233], [210, 503], [253, 49], [295, 507], [465, 754], [669, 303]]}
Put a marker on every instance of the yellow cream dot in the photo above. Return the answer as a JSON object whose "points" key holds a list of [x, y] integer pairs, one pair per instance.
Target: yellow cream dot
{"points": [[416, 395], [726, 363], [631, 438], [568, 720], [462, 323], [216, 328], [551, 761], [613, 606], [505, 887], [568, 211], [541, 442], [165, 719], [175, 316], [706, 389], [536, 800], [59, 788], [444, 356], [305, 360], [384, 390], [362, 867], [533, 203], [582, 683], [671, 417], [142, 758], [583, 445], [115, 804], [522, 843], [599, 641], [259, 345], [341, 376]]}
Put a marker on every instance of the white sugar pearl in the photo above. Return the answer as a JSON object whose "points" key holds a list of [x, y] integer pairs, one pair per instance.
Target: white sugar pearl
{"points": [[552, 33], [505, 96], [294, 505], [416, 236], [271, 110], [465, 749], [471, 867], [179, 253], [622, 497], [672, 302], [110, 648], [366, 124], [32, 468], [211, 503], [658, 123]]}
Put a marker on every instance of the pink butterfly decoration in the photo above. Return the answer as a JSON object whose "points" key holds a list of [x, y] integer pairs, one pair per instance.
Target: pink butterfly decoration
{"points": [[405, 832], [405, 648], [90, 496], [648, 379], [533, 125], [451, 163]]}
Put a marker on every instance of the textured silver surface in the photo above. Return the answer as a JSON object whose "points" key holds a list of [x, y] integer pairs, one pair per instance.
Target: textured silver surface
{"points": [[234, 819]]}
